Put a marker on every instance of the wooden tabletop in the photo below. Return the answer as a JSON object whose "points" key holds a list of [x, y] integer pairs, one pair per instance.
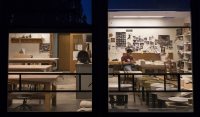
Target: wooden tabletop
{"points": [[33, 76], [114, 63], [13, 60], [29, 67]]}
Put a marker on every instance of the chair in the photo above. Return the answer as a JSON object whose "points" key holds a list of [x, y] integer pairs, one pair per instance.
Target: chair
{"points": [[119, 100], [179, 107], [128, 79], [152, 100], [24, 106], [170, 67], [25, 96], [85, 106]]}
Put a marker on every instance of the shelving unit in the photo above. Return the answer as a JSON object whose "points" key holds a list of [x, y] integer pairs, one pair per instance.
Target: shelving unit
{"points": [[184, 49], [26, 40]]}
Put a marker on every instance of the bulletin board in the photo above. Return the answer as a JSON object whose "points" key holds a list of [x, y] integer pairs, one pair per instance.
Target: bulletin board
{"points": [[121, 39]]}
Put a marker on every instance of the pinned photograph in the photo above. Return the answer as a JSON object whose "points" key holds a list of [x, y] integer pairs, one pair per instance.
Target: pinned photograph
{"points": [[170, 44], [147, 42], [156, 41], [110, 35], [134, 37], [163, 50], [44, 47], [112, 40], [150, 38], [164, 40], [141, 44], [151, 43]]}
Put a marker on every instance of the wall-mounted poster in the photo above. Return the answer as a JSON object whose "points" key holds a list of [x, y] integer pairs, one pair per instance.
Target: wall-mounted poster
{"points": [[141, 44], [164, 40], [79, 47], [112, 40], [156, 41], [121, 39], [44, 47], [179, 31], [134, 37], [136, 44], [147, 42], [110, 34], [162, 50], [151, 42]]}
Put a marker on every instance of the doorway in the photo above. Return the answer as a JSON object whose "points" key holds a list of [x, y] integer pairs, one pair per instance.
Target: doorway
{"points": [[64, 52]]}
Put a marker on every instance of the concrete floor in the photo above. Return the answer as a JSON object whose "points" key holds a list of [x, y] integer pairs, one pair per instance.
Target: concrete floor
{"points": [[66, 101]]}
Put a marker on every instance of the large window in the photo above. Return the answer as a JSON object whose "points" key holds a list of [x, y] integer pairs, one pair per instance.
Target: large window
{"points": [[50, 72], [150, 61], [49, 56], [66, 56]]}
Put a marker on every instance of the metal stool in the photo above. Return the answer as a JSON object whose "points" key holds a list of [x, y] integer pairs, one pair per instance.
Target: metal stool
{"points": [[119, 100], [24, 106]]}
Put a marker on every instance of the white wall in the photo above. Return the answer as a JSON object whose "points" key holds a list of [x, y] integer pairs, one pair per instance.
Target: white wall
{"points": [[84, 40], [116, 52], [30, 48]]}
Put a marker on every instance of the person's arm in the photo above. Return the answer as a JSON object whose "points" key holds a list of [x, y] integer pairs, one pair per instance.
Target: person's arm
{"points": [[126, 63], [133, 60]]}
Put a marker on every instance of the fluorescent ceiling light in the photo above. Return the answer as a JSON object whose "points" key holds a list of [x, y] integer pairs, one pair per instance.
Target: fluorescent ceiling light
{"points": [[138, 16]]}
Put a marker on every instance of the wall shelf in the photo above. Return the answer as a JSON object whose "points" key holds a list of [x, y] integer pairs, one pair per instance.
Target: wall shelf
{"points": [[26, 40], [186, 50]]}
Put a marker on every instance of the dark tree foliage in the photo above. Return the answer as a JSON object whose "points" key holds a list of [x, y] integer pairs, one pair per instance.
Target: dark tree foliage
{"points": [[46, 12]]}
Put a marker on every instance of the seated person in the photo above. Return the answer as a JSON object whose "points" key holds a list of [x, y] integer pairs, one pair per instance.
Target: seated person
{"points": [[83, 57], [127, 60]]}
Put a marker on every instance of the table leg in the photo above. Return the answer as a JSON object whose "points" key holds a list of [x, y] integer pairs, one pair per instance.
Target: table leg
{"points": [[143, 70], [134, 96], [143, 99], [47, 101], [54, 96]]}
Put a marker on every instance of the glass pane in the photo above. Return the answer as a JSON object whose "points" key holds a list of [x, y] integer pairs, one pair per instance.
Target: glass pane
{"points": [[55, 13], [50, 72], [150, 61]]}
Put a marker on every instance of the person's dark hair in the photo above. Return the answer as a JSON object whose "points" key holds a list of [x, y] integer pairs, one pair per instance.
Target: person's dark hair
{"points": [[83, 57], [129, 51]]}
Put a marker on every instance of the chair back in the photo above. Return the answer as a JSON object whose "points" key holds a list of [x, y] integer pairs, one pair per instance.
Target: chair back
{"points": [[170, 66]]}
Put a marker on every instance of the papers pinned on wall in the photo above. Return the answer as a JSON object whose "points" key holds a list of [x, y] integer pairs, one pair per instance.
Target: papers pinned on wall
{"points": [[78, 47], [75, 54]]}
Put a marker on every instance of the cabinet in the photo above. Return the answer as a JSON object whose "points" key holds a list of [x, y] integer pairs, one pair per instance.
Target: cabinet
{"points": [[86, 81], [184, 49]]}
